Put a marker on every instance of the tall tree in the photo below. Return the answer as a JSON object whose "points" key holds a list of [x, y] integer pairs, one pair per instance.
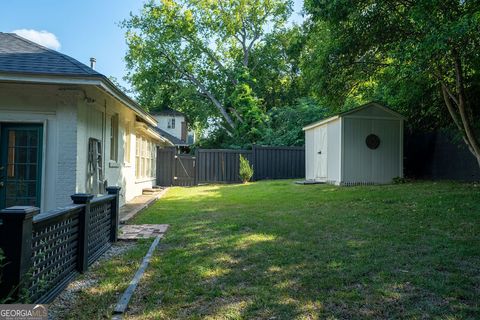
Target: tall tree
{"points": [[197, 49], [435, 41]]}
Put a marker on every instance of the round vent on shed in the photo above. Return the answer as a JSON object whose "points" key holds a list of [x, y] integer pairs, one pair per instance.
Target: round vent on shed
{"points": [[372, 141]]}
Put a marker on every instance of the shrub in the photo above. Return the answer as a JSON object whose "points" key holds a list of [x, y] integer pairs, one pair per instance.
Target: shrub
{"points": [[246, 170]]}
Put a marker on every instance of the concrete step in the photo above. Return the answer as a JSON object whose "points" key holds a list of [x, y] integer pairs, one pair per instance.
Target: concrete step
{"points": [[152, 191]]}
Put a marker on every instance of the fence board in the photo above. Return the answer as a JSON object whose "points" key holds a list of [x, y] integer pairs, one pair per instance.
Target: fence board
{"points": [[219, 165], [165, 166], [438, 156], [222, 165], [279, 162], [184, 170]]}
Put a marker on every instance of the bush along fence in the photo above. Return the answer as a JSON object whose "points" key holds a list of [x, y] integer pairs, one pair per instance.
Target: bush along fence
{"points": [[222, 165], [43, 252]]}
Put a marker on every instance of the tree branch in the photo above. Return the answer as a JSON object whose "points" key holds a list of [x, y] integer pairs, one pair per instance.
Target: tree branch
{"points": [[202, 88], [462, 106]]}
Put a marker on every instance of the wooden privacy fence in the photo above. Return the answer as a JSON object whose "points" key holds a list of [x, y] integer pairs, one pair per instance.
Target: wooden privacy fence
{"points": [[222, 165], [175, 169], [278, 162], [438, 155], [43, 252]]}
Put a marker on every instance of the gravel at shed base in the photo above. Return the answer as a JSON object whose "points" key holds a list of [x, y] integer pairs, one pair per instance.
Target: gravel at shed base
{"points": [[63, 302]]}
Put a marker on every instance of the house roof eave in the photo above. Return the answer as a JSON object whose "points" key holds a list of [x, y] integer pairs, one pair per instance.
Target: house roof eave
{"points": [[99, 81]]}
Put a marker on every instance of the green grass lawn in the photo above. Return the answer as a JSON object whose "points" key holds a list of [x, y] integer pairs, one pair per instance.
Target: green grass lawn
{"points": [[276, 250]]}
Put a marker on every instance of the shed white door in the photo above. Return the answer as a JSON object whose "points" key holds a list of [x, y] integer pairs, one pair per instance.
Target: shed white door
{"points": [[321, 153]]}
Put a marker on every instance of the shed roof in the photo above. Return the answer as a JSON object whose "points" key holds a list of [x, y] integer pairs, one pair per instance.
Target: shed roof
{"points": [[22, 60], [348, 112]]}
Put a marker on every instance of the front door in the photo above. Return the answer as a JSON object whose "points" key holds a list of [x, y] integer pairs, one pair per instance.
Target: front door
{"points": [[20, 164]]}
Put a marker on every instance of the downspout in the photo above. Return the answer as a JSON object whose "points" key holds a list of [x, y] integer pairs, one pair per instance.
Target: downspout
{"points": [[104, 133]]}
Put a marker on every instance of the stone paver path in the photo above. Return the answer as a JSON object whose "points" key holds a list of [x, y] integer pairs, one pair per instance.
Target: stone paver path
{"points": [[142, 231], [137, 204]]}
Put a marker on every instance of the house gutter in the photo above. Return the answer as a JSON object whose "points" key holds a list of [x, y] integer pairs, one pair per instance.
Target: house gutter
{"points": [[142, 127]]}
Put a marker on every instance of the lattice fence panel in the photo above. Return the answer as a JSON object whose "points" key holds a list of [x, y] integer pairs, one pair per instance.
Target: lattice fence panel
{"points": [[99, 229], [54, 253]]}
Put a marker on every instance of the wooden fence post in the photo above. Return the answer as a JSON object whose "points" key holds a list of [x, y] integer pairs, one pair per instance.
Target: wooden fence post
{"points": [[113, 190], [83, 222], [16, 243], [196, 167]]}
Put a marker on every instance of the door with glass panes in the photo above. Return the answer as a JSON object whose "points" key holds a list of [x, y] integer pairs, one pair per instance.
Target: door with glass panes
{"points": [[20, 164]]}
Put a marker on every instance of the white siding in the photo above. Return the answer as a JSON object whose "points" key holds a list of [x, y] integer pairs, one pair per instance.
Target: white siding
{"points": [[309, 155], [94, 122], [68, 124], [321, 152], [163, 124], [334, 149]]}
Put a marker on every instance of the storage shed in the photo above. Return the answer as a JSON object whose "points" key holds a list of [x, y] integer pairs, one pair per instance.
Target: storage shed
{"points": [[359, 146]]}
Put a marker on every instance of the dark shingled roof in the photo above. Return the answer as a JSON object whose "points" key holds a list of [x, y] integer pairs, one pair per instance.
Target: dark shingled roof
{"points": [[173, 139], [19, 55]]}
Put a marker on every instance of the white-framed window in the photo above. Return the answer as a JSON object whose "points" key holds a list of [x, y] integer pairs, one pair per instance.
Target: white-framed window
{"points": [[114, 138], [171, 123], [145, 157], [127, 150]]}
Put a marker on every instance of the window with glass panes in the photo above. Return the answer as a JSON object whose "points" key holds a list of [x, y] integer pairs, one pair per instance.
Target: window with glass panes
{"points": [[145, 157]]}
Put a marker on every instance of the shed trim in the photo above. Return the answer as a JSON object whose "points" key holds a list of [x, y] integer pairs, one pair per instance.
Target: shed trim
{"points": [[342, 114], [321, 122], [379, 105], [342, 150], [401, 149]]}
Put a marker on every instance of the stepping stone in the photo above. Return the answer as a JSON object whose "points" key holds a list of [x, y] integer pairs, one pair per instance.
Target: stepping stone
{"points": [[142, 231]]}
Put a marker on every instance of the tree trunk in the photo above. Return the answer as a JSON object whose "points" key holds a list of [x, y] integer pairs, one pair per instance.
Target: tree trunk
{"points": [[472, 139], [459, 114]]}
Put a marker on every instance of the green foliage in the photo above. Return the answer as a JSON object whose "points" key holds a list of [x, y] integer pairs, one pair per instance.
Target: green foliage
{"points": [[187, 55], [246, 170], [238, 69], [399, 52], [277, 74], [286, 123], [252, 119]]}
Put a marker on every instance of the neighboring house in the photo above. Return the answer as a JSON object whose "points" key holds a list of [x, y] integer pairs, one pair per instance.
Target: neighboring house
{"points": [[174, 126], [66, 129], [360, 146]]}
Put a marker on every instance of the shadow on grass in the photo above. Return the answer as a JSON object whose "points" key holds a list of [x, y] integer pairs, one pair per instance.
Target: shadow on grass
{"points": [[99, 288], [281, 251]]}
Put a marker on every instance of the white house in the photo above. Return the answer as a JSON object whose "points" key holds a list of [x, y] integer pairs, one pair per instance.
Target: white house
{"points": [[173, 124], [65, 129], [360, 146]]}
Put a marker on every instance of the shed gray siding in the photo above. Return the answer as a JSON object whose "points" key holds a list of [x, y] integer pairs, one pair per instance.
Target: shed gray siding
{"points": [[349, 160], [363, 165]]}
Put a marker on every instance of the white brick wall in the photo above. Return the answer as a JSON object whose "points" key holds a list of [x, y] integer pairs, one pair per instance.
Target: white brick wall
{"points": [[57, 113], [67, 154]]}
